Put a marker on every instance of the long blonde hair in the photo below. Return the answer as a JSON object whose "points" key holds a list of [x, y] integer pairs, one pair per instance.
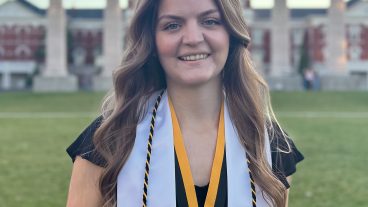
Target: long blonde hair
{"points": [[140, 75]]}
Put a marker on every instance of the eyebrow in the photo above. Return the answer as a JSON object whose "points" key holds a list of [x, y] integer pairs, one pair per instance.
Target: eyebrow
{"points": [[205, 13]]}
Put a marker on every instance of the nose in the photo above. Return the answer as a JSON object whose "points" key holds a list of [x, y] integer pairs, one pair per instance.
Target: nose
{"points": [[192, 34]]}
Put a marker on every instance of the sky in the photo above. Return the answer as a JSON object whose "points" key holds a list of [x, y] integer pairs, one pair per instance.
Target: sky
{"points": [[123, 3]]}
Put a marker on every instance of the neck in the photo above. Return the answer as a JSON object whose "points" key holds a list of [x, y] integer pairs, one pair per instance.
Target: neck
{"points": [[198, 104]]}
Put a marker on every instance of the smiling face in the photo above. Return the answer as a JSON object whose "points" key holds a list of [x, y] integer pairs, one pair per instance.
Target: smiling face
{"points": [[192, 42]]}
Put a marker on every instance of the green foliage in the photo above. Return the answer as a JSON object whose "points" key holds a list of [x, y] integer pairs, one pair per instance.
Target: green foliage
{"points": [[35, 169], [304, 61], [69, 44]]}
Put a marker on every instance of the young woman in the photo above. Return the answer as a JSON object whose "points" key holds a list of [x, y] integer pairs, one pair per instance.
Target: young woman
{"points": [[189, 122]]}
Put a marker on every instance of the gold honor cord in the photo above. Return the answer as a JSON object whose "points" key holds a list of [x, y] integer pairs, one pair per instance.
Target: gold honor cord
{"points": [[149, 149], [252, 184], [185, 166]]}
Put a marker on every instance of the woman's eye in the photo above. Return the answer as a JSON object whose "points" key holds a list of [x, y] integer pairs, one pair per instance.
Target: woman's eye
{"points": [[172, 26], [210, 22]]}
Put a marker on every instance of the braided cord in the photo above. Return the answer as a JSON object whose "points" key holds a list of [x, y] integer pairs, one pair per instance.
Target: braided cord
{"points": [[149, 149], [252, 184]]}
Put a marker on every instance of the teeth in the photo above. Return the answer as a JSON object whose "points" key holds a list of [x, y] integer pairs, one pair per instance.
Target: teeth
{"points": [[194, 57]]}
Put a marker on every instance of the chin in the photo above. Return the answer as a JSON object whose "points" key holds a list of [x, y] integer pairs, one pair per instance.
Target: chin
{"points": [[197, 81]]}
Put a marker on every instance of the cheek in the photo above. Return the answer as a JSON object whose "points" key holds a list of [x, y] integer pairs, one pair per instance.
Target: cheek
{"points": [[224, 42], [220, 42], [164, 47]]}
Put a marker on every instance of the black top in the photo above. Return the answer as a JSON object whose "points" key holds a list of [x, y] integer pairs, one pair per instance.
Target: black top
{"points": [[283, 164]]}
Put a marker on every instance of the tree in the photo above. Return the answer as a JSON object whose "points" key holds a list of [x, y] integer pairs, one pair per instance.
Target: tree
{"points": [[304, 62]]}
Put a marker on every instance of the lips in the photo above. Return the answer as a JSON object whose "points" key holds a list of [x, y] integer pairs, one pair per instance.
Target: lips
{"points": [[194, 57]]}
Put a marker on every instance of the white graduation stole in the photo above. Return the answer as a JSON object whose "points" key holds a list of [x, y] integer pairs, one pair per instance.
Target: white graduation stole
{"points": [[161, 187]]}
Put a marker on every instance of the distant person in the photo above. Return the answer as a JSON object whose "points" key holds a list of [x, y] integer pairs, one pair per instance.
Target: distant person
{"points": [[189, 122], [309, 77]]}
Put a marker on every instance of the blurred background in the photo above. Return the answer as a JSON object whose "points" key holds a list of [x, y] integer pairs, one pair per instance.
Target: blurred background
{"points": [[296, 44], [56, 60]]}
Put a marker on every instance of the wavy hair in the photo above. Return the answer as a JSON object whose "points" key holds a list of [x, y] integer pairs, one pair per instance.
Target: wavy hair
{"points": [[140, 75]]}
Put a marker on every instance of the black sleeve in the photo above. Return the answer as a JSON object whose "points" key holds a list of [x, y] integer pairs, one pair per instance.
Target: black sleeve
{"points": [[83, 146], [285, 156]]}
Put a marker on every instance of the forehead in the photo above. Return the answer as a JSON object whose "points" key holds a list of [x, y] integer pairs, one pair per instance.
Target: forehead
{"points": [[185, 7]]}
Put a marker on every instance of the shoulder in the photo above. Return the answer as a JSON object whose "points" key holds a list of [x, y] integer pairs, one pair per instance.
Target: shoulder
{"points": [[285, 155], [83, 145]]}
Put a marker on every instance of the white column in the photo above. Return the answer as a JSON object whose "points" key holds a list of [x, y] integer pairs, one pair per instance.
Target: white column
{"points": [[336, 39], [280, 40], [56, 59], [112, 37], [55, 77], [248, 12]]}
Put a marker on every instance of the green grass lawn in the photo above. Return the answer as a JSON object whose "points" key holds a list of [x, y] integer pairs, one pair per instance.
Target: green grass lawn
{"points": [[35, 169]]}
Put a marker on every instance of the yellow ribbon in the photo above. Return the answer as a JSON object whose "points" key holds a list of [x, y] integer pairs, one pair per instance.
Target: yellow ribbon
{"points": [[185, 166]]}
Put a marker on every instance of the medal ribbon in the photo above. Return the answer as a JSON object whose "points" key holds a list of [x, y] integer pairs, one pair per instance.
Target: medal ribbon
{"points": [[185, 166]]}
